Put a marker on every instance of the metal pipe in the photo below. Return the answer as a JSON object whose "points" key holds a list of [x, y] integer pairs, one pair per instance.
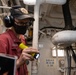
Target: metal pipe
{"points": [[34, 67], [33, 2], [67, 16], [68, 60], [5, 7], [64, 38]]}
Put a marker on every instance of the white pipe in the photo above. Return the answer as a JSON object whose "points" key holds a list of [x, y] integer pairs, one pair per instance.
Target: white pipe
{"points": [[60, 2], [34, 67], [29, 2], [33, 2], [64, 38], [5, 7], [36, 25]]}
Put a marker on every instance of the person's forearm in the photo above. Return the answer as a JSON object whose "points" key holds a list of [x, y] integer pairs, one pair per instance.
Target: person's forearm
{"points": [[18, 63]]}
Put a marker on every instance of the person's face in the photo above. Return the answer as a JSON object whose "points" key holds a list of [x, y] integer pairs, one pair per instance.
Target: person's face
{"points": [[24, 22], [21, 26]]}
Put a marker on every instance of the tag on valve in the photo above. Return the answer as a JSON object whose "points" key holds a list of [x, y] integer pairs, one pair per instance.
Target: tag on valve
{"points": [[35, 55]]}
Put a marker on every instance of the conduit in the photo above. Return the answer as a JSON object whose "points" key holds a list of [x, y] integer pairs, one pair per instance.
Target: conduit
{"points": [[33, 2]]}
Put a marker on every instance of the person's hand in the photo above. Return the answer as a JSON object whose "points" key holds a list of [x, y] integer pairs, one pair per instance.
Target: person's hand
{"points": [[26, 55], [6, 73]]}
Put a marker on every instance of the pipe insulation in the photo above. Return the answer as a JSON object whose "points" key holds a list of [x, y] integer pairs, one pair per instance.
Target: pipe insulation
{"points": [[34, 66], [33, 2], [64, 38]]}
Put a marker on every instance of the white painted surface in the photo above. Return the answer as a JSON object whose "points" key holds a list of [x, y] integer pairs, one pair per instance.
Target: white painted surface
{"points": [[33, 2]]}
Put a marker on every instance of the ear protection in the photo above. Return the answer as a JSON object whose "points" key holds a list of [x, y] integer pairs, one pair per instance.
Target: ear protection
{"points": [[8, 21]]}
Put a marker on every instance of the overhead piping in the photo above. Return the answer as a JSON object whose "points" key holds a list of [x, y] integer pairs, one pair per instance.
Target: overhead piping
{"points": [[33, 2], [5, 7], [66, 37], [67, 16]]}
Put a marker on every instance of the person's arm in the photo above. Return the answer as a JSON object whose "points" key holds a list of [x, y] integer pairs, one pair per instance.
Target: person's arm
{"points": [[3, 46], [6, 73], [26, 56]]}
